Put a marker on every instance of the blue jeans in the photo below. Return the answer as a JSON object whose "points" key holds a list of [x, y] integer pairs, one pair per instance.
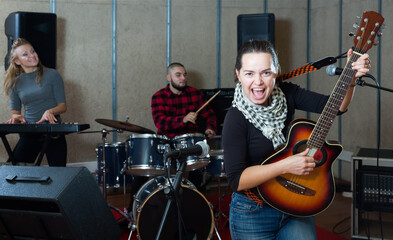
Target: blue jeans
{"points": [[249, 220]]}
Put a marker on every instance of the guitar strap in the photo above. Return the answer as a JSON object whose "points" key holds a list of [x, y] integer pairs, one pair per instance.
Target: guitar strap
{"points": [[294, 73], [251, 195]]}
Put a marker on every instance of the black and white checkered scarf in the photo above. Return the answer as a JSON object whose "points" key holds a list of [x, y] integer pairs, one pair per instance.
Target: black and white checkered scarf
{"points": [[270, 119]]}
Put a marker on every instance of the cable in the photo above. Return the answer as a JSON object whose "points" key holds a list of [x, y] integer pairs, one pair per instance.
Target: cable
{"points": [[340, 222]]}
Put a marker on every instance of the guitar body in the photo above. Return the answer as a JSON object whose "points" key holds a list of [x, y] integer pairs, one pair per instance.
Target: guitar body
{"points": [[304, 195]]}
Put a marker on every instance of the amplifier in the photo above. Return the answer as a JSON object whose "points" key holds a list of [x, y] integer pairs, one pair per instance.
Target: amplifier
{"points": [[374, 188]]}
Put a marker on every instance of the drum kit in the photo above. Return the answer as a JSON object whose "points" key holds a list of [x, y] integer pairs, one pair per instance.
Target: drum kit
{"points": [[145, 153]]}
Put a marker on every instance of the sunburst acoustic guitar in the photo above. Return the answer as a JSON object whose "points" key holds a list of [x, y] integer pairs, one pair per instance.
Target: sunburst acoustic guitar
{"points": [[309, 195]]}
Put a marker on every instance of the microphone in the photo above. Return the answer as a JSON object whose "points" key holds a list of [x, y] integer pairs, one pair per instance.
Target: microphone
{"points": [[332, 70], [200, 149]]}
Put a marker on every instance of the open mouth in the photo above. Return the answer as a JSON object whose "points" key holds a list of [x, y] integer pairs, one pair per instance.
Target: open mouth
{"points": [[258, 93]]}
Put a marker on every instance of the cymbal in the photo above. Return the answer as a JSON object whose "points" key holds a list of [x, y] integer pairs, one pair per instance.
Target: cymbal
{"points": [[123, 126]]}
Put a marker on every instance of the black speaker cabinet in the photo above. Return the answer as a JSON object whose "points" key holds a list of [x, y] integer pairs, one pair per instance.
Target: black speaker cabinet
{"points": [[53, 203], [220, 104], [38, 28], [255, 26]]}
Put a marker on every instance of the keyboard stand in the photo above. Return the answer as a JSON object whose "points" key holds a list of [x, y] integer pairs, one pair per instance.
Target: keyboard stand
{"points": [[8, 149], [11, 153]]}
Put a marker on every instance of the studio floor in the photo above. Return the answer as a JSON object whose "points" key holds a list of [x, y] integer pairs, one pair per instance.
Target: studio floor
{"points": [[336, 219]]}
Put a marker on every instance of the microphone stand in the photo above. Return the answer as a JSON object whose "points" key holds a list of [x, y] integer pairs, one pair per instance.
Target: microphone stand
{"points": [[362, 83], [173, 193]]}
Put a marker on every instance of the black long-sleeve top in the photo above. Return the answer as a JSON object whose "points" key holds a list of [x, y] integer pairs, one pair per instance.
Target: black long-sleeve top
{"points": [[244, 145]]}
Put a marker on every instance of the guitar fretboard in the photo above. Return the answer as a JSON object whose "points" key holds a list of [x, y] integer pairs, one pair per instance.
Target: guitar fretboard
{"points": [[330, 111]]}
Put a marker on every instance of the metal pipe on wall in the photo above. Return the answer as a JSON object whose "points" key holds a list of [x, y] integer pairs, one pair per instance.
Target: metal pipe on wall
{"points": [[168, 32], [379, 81], [218, 43], [53, 6], [340, 19], [308, 44], [114, 64]]}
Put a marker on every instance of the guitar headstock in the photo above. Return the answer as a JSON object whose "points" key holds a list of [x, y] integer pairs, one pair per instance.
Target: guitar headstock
{"points": [[367, 31]]}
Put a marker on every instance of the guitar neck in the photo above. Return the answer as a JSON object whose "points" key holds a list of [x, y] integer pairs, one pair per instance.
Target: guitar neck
{"points": [[333, 104]]}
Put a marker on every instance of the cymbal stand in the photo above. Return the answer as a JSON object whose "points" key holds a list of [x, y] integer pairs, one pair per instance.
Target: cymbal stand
{"points": [[104, 133], [122, 172]]}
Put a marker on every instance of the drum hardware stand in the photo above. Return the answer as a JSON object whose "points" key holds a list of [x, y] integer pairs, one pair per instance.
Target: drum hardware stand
{"points": [[173, 194], [132, 228], [219, 216], [218, 235], [125, 215], [104, 132], [215, 228], [123, 172]]}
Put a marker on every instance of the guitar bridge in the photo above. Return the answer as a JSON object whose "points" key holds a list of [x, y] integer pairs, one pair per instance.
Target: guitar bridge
{"points": [[294, 187]]}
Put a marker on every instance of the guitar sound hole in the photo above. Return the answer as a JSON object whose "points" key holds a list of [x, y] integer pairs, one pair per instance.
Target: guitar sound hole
{"points": [[320, 156], [299, 147]]}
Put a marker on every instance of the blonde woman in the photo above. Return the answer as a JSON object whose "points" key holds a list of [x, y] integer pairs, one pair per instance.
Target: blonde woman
{"points": [[40, 91]]}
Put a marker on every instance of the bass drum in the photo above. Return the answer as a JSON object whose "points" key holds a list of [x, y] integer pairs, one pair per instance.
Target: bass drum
{"points": [[150, 203]]}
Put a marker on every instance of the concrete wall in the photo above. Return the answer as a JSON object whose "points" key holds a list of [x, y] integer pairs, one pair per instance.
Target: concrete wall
{"points": [[84, 58]]}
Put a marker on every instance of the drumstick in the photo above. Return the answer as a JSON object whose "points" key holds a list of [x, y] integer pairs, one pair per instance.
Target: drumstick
{"points": [[204, 105]]}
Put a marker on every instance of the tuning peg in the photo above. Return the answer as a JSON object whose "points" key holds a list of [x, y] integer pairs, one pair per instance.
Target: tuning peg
{"points": [[355, 25], [351, 34], [376, 43], [379, 34]]}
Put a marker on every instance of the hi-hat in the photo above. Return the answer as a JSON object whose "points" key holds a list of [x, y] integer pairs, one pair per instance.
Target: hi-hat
{"points": [[123, 126]]}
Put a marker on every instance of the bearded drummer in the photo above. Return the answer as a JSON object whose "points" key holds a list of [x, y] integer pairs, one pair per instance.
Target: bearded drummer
{"points": [[175, 107], [179, 109], [176, 110]]}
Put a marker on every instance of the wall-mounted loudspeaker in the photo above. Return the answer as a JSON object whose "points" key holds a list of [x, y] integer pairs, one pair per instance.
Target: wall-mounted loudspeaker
{"points": [[255, 26], [37, 28], [53, 203]]}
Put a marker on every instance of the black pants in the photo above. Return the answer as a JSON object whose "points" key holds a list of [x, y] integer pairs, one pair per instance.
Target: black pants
{"points": [[29, 146]]}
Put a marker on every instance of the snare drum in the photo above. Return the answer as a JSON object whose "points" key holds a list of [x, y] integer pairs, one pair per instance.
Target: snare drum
{"points": [[145, 154], [188, 140], [216, 165], [115, 157], [150, 203]]}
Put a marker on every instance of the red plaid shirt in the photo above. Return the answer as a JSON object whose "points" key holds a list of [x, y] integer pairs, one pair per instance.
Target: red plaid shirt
{"points": [[169, 109]]}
